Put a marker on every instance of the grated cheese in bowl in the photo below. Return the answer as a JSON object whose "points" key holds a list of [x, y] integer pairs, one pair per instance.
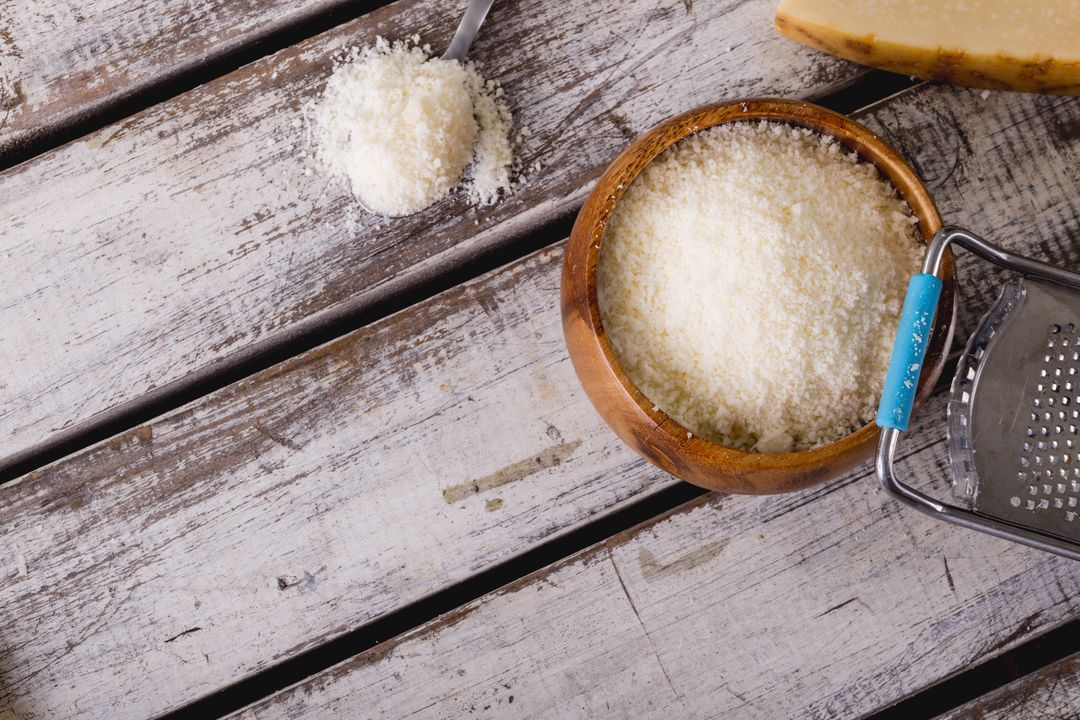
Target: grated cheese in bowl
{"points": [[402, 127], [750, 282]]}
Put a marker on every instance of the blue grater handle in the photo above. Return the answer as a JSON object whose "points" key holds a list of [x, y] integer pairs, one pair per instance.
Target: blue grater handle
{"points": [[909, 350]]}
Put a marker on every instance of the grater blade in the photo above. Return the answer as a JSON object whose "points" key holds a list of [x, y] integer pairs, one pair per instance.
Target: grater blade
{"points": [[1014, 410]]}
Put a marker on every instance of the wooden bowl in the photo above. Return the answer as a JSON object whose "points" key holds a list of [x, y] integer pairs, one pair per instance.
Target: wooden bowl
{"points": [[652, 433]]}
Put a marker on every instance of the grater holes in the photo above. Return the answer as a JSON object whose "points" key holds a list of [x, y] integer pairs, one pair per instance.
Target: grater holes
{"points": [[1049, 463]]}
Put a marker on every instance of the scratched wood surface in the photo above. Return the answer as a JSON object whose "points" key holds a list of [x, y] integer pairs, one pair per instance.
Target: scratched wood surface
{"points": [[199, 236], [63, 59], [1052, 693], [301, 503], [832, 603], [311, 498]]}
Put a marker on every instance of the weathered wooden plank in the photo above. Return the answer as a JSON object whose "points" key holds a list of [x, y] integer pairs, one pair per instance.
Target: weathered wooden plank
{"points": [[833, 603], [300, 503], [1052, 693], [62, 60], [346, 475], [190, 233]]}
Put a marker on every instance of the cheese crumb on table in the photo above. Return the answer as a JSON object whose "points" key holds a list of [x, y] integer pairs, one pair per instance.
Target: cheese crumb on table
{"points": [[402, 127], [750, 282]]}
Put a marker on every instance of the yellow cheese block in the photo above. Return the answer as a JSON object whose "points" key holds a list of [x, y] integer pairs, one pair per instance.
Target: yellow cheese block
{"points": [[1031, 45]]}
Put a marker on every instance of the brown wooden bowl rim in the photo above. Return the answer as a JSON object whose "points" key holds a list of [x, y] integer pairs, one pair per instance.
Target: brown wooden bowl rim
{"points": [[613, 183]]}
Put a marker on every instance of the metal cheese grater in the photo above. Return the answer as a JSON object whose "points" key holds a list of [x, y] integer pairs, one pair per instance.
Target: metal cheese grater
{"points": [[1014, 407]]}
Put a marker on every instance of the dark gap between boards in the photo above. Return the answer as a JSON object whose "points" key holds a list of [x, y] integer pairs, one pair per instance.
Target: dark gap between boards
{"points": [[179, 80], [987, 676], [409, 617], [272, 351]]}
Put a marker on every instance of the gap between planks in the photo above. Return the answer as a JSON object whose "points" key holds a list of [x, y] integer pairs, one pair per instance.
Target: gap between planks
{"points": [[1051, 693], [1027, 669]]}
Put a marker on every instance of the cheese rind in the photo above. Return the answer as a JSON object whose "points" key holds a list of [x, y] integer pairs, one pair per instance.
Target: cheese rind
{"points": [[996, 44]]}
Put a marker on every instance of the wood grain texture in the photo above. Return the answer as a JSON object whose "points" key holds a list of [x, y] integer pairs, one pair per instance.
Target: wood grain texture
{"points": [[835, 602], [298, 504], [62, 60], [1052, 693], [313, 497], [190, 233]]}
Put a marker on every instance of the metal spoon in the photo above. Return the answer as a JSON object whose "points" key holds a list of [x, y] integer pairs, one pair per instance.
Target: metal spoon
{"points": [[466, 31]]}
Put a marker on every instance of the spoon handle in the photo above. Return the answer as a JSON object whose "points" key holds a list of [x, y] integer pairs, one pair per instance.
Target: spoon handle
{"points": [[466, 31]]}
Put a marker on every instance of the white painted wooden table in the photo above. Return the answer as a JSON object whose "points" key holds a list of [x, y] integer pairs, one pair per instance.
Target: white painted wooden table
{"points": [[262, 459]]}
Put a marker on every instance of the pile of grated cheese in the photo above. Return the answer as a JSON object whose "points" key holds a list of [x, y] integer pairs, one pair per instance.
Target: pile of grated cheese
{"points": [[402, 127], [750, 282]]}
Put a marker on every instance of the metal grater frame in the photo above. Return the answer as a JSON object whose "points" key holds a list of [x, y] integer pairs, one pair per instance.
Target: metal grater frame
{"points": [[1014, 406]]}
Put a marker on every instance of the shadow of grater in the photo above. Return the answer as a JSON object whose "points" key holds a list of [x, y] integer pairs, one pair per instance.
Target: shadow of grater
{"points": [[1014, 406]]}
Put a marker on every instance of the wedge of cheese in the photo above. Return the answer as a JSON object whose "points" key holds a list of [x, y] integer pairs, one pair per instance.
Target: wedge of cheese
{"points": [[1031, 45]]}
